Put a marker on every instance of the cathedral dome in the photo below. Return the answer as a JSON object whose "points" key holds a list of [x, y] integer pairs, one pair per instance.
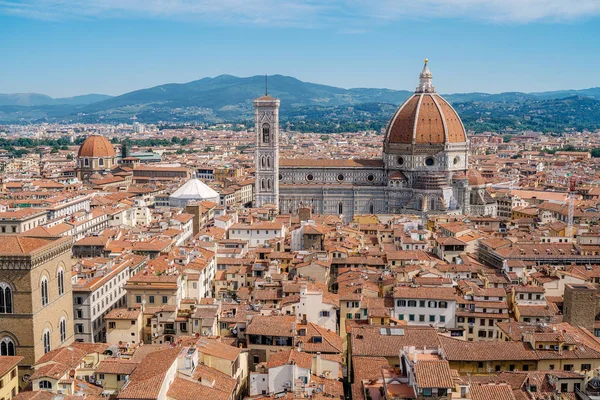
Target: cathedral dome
{"points": [[96, 146], [425, 118]]}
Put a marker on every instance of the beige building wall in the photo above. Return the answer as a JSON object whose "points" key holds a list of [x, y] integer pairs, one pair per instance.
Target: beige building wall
{"points": [[30, 319]]}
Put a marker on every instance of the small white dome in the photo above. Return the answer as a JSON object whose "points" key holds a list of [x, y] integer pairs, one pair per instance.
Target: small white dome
{"points": [[193, 190]]}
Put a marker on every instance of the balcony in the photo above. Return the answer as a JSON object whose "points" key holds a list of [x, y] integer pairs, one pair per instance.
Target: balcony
{"points": [[169, 331]]}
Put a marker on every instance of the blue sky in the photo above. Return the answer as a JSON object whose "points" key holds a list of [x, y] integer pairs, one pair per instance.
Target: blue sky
{"points": [[65, 47]]}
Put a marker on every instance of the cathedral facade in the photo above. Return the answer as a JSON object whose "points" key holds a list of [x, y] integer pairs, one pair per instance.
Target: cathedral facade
{"points": [[423, 169]]}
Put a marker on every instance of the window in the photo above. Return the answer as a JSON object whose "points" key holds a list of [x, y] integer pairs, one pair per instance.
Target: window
{"points": [[401, 303], [266, 133], [568, 367], [46, 384], [63, 329], [340, 178], [586, 367], [421, 303], [421, 318], [5, 298], [432, 318], [340, 208], [255, 359], [564, 387], [401, 317], [138, 299], [112, 325], [7, 347], [429, 161], [432, 304], [44, 289], [165, 299], [427, 392], [46, 340], [511, 367], [443, 304], [412, 303], [101, 161], [442, 318], [61, 281], [349, 316], [151, 299], [411, 317], [324, 313]]}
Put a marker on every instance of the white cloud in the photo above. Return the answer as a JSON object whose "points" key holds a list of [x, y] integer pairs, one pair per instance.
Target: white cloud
{"points": [[355, 14]]}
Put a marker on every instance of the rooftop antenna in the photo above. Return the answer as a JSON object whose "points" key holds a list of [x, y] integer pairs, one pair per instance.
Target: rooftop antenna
{"points": [[266, 85]]}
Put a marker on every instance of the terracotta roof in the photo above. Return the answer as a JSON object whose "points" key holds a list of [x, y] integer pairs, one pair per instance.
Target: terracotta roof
{"points": [[423, 119], [492, 392], [185, 389], [281, 325], [433, 374], [21, 245], [146, 381], [96, 146], [329, 163], [303, 360], [7, 363]]}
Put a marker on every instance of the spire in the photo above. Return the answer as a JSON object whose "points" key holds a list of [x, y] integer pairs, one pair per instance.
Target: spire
{"points": [[425, 77]]}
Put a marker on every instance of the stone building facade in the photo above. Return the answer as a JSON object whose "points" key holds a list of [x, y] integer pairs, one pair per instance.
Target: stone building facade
{"points": [[423, 169], [36, 310]]}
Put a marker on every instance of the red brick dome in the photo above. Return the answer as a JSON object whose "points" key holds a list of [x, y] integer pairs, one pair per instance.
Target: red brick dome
{"points": [[96, 146], [425, 118]]}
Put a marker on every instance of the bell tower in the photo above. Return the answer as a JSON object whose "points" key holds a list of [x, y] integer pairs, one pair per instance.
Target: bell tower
{"points": [[266, 156]]}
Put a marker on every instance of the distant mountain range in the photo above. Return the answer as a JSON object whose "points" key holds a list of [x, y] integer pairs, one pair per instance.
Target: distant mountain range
{"points": [[229, 98], [36, 99]]}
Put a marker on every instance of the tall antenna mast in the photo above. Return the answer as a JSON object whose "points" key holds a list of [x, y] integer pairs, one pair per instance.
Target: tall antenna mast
{"points": [[266, 86]]}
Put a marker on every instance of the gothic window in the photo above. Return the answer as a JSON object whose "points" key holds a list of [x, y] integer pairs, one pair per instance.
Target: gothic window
{"points": [[371, 209], [262, 184], [44, 290], [456, 160], [432, 204], [45, 384], [280, 177], [340, 208], [268, 162], [400, 160], [266, 131], [46, 340], [5, 298], [86, 162], [61, 281], [269, 184], [7, 347], [63, 329]]}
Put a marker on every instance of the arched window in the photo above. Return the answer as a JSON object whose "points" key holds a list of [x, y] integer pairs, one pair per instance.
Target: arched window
{"points": [[340, 208], [63, 329], [7, 347], [61, 281], [268, 184], [371, 209], [86, 162], [266, 130], [44, 289], [101, 161], [262, 184], [432, 204], [5, 298], [45, 385], [46, 340]]}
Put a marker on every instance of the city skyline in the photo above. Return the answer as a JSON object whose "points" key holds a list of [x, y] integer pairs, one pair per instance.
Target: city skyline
{"points": [[112, 48]]}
